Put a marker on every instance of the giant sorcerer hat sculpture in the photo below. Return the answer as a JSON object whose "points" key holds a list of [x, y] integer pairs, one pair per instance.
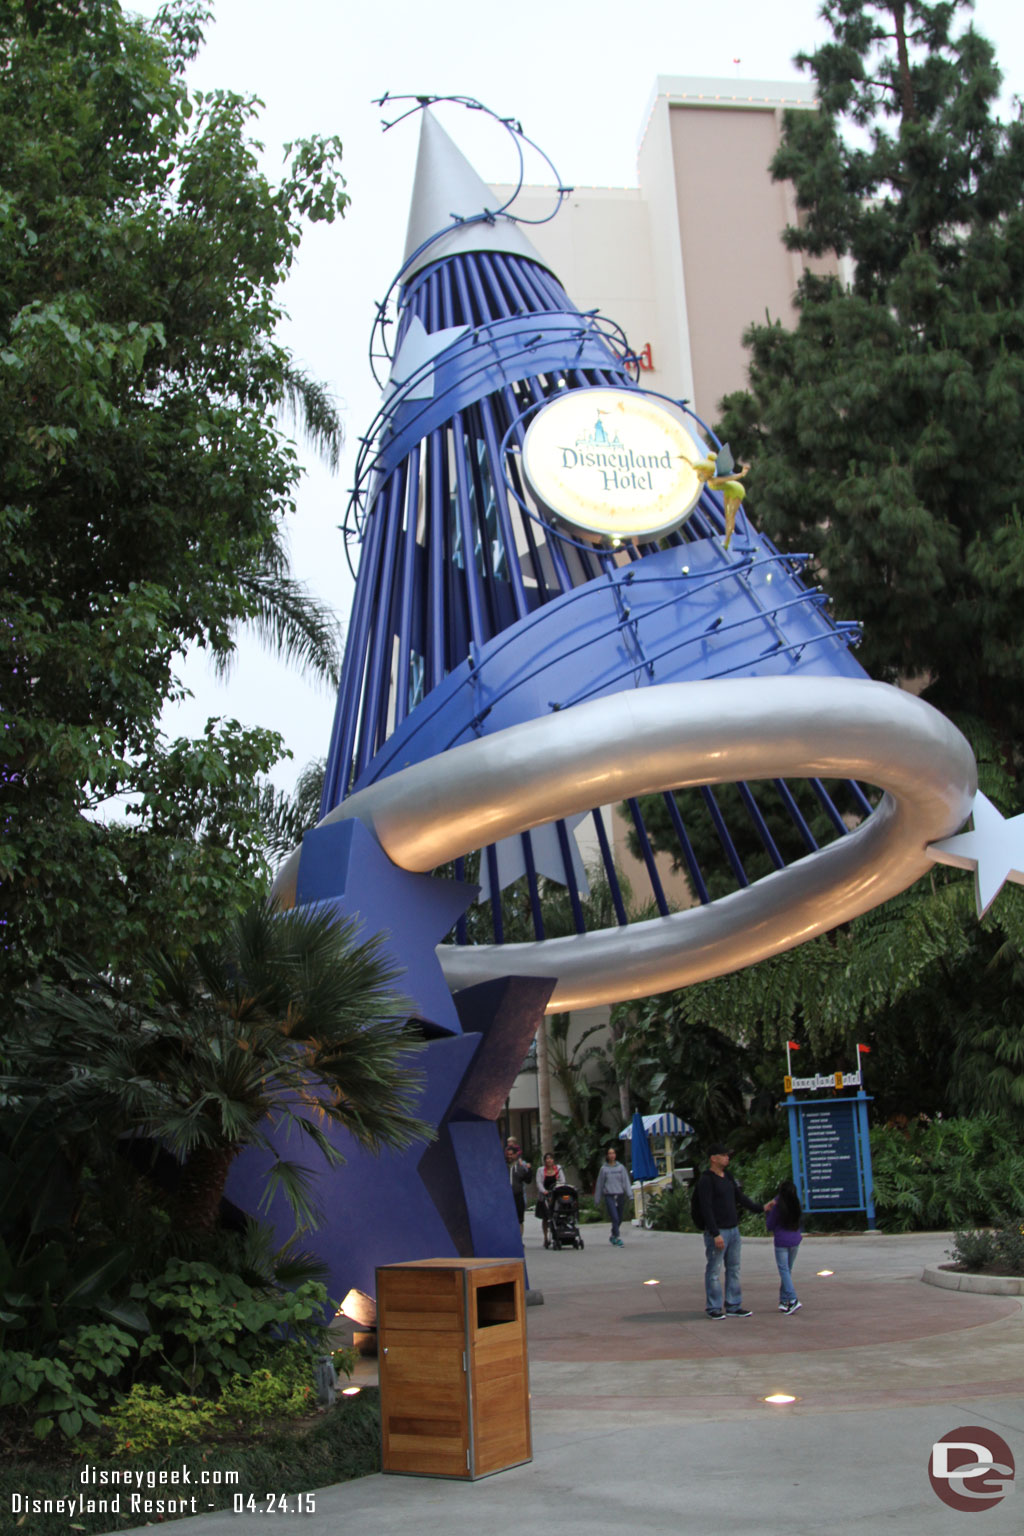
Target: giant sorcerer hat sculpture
{"points": [[555, 613]]}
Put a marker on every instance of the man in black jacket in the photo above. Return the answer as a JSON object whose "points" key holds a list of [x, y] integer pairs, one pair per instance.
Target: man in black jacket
{"points": [[718, 1195]]}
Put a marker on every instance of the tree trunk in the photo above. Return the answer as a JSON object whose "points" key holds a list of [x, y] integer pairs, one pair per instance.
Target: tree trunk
{"points": [[907, 102], [544, 1088], [622, 1081], [197, 1202]]}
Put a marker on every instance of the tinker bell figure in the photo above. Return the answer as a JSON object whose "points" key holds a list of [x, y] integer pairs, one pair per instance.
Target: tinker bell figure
{"points": [[719, 473]]}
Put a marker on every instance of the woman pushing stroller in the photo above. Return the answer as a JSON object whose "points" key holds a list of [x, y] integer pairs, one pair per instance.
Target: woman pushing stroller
{"points": [[549, 1176]]}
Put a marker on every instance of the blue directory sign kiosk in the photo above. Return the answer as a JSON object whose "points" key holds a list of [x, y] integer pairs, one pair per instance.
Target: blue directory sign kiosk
{"points": [[832, 1154]]}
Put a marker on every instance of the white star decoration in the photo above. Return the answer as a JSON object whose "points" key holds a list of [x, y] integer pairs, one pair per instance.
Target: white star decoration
{"points": [[994, 850], [419, 347]]}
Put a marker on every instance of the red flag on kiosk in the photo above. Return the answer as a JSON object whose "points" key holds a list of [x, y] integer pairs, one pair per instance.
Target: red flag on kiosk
{"points": [[865, 1050], [792, 1045]]}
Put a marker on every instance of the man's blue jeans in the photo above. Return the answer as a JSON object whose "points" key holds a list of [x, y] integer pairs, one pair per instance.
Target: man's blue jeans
{"points": [[784, 1259], [730, 1255], [614, 1205]]}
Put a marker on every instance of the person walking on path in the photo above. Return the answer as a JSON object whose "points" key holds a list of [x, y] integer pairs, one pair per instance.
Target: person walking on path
{"points": [[782, 1218], [613, 1188], [549, 1176], [718, 1195], [518, 1176]]}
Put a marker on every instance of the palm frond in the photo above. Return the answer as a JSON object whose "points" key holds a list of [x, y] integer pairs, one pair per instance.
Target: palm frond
{"points": [[288, 621], [312, 409]]}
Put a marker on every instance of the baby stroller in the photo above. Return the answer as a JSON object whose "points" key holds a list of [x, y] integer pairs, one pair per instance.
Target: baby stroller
{"points": [[563, 1217]]}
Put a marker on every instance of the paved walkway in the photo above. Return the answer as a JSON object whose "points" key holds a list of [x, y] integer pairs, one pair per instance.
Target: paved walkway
{"points": [[649, 1417]]}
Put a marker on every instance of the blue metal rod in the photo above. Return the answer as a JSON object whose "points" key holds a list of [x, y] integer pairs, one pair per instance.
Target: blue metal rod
{"points": [[860, 797], [796, 814], [338, 773], [762, 826], [500, 290], [570, 877], [830, 809], [379, 663], [536, 910], [508, 540], [461, 930], [436, 546], [544, 593], [497, 918], [469, 315], [406, 600], [688, 854], [478, 504], [550, 542], [448, 310], [434, 322], [648, 855], [708, 797], [478, 632], [610, 870]]}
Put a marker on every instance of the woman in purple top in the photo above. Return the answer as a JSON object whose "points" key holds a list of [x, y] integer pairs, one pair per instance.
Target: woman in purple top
{"points": [[782, 1217]]}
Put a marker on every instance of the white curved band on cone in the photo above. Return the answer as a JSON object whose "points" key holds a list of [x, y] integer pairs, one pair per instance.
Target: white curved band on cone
{"points": [[673, 736]]}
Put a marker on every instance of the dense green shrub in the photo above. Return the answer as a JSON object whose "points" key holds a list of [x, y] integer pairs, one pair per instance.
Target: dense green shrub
{"points": [[149, 1419], [205, 1332], [210, 1326], [338, 1444], [947, 1174], [997, 1252]]}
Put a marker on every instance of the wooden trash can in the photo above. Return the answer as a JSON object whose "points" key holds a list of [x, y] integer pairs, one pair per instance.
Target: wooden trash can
{"points": [[454, 1382]]}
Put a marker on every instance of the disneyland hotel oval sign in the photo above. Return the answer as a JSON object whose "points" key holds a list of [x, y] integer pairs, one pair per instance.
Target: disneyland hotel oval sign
{"points": [[612, 463]]}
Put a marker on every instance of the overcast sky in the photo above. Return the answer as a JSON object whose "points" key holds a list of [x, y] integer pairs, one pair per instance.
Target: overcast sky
{"points": [[578, 74]]}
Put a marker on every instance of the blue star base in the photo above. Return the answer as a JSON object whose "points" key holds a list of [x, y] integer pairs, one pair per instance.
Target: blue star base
{"points": [[450, 1198], [342, 866]]}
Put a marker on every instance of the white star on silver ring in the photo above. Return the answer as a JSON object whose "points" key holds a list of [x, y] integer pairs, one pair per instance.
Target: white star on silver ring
{"points": [[994, 849]]}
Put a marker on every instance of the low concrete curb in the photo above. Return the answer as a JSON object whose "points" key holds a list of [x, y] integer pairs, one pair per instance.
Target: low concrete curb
{"points": [[979, 1285]]}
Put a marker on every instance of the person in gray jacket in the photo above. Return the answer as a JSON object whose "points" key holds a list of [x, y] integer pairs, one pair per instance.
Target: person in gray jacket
{"points": [[613, 1187], [519, 1173]]}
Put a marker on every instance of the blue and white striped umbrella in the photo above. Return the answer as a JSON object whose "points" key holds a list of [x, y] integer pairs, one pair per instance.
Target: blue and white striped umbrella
{"points": [[666, 1124]]}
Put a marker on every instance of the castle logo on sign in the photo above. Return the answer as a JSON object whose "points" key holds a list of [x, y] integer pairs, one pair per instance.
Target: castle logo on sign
{"points": [[612, 463]]}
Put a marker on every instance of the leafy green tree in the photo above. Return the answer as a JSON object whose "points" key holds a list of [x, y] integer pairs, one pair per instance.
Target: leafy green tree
{"points": [[884, 429], [144, 477], [583, 1132], [678, 1061], [287, 1022]]}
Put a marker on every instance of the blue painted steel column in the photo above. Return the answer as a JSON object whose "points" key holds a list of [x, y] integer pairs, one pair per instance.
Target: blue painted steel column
{"points": [[864, 1143]]}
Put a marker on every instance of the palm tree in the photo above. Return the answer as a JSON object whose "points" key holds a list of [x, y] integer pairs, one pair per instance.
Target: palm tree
{"points": [[284, 818], [282, 612], [289, 1023]]}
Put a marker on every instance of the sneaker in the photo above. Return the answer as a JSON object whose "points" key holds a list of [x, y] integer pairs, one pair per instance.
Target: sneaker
{"points": [[739, 1312], [611, 1239], [783, 1306], [794, 1306], [716, 1315], [618, 1242]]}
